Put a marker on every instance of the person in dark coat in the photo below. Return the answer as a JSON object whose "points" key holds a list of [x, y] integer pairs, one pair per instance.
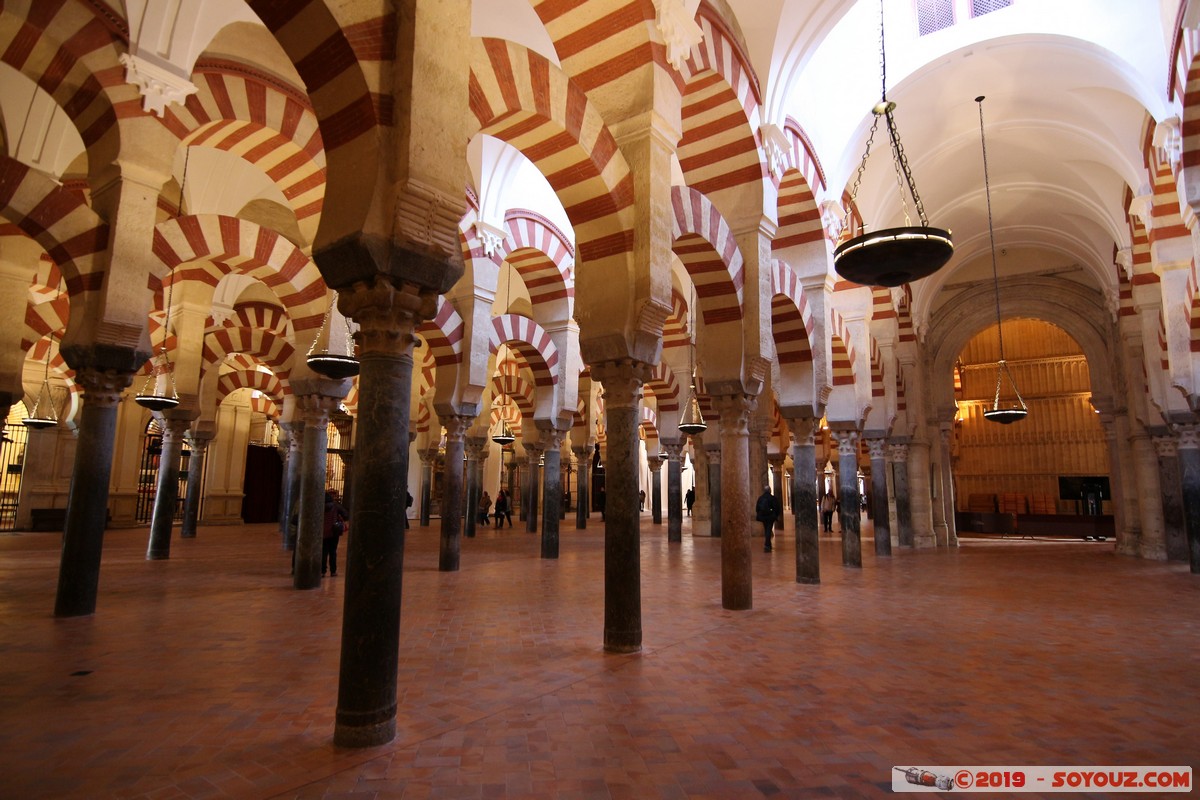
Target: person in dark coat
{"points": [[767, 510], [503, 511], [333, 527], [689, 498]]}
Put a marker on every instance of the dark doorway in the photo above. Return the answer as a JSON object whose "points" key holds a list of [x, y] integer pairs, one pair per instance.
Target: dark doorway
{"points": [[261, 487]]}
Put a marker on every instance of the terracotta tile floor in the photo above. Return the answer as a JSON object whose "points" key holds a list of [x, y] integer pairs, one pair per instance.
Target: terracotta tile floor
{"points": [[209, 676]]}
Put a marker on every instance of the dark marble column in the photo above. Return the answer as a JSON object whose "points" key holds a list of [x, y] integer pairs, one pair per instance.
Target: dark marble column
{"points": [[1174, 529], [713, 451], [622, 381], [166, 490], [674, 452], [848, 492], [655, 465], [776, 463], [551, 490], [452, 492], [1189, 478], [474, 448], [292, 435], [198, 447], [87, 506], [804, 500], [366, 708], [904, 527], [533, 455], [756, 476], [879, 497], [315, 408], [583, 477], [737, 510], [428, 457]]}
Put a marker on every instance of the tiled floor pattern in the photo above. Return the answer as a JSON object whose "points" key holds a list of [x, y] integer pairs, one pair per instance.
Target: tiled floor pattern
{"points": [[209, 676]]}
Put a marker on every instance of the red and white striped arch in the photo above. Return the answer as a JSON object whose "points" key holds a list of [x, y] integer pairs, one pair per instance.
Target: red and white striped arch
{"points": [[842, 350], [49, 315], [543, 257], [208, 246], [271, 349], [73, 235], [602, 42], [444, 334], [73, 54], [706, 246], [424, 417], [792, 323], [675, 329], [522, 99], [516, 390], [877, 387], [531, 341], [665, 387], [649, 425], [720, 114], [351, 401], [252, 379]]}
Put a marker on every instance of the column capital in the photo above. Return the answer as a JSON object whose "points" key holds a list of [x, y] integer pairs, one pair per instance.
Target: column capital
{"points": [[1165, 445], [1189, 437], [898, 452], [476, 448], [735, 410], [804, 430], [876, 448], [776, 459], [673, 449], [387, 314], [847, 442], [655, 464], [713, 453], [552, 438], [622, 381], [102, 387], [456, 426], [316, 408], [428, 455]]}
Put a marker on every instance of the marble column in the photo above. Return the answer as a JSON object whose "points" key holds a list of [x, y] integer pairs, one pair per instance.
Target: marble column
{"points": [[198, 447], [775, 460], [452, 491], [583, 488], [946, 432], [899, 453], [552, 490], [804, 500], [316, 409], [1122, 483], [87, 506], [715, 495], [1153, 542], [474, 448], [1188, 451], [655, 463], [848, 492], [293, 434], [166, 489], [1174, 528], [756, 474], [388, 316], [622, 381], [879, 497], [533, 457], [428, 459], [702, 508], [674, 453], [345, 428], [737, 586], [920, 496]]}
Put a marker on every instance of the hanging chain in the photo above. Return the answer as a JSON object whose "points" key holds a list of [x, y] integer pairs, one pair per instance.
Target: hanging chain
{"points": [[987, 188]]}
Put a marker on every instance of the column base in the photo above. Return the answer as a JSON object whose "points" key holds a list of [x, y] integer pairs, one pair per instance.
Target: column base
{"points": [[364, 735], [1155, 552]]}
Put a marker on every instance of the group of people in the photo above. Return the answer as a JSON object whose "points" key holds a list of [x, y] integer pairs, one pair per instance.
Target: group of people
{"points": [[502, 510]]}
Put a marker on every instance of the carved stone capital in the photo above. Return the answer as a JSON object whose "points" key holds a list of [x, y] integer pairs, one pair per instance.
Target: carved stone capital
{"points": [[847, 442], [876, 448], [1188, 437], [622, 381], [456, 426], [674, 450], [102, 387], [735, 411], [387, 314], [898, 453], [157, 85], [1165, 446], [678, 29], [803, 430], [316, 408]]}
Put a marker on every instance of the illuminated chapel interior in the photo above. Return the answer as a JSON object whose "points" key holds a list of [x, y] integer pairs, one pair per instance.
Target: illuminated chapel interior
{"points": [[582, 224]]}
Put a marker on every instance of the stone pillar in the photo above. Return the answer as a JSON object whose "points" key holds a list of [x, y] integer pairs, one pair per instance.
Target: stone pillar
{"points": [[655, 463], [583, 488], [1174, 529], [166, 489], [848, 491], [920, 500], [533, 456], [804, 500], [879, 497], [475, 449], [552, 490], [674, 453], [713, 452], [452, 491], [198, 445], [345, 428], [293, 434], [1123, 487], [366, 708], [756, 475], [947, 497], [702, 508], [87, 508], [316, 409], [737, 588], [428, 458], [622, 381], [776, 462], [899, 454], [1189, 475], [1153, 541], [511, 476]]}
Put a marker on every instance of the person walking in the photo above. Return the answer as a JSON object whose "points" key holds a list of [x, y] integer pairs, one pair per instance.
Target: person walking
{"points": [[767, 510], [502, 510], [827, 513], [689, 498], [485, 509], [331, 532]]}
